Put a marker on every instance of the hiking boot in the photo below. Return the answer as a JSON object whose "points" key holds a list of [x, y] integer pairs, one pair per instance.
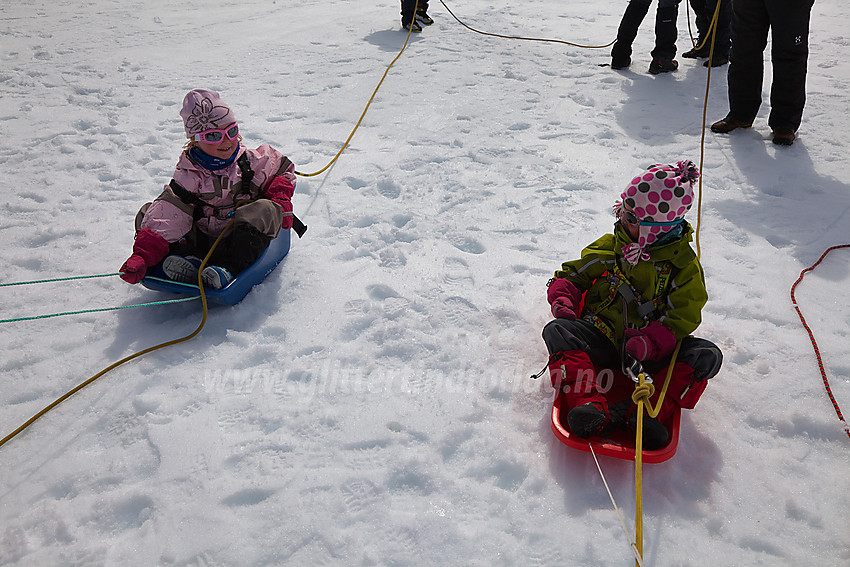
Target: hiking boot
{"points": [[697, 53], [655, 435], [181, 269], [621, 63], [717, 62], [412, 26], [728, 124], [216, 277], [621, 55], [587, 420], [423, 19], [663, 66], [783, 137]]}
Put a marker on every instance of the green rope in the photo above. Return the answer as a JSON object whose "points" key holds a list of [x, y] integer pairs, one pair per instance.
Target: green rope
{"points": [[48, 316], [61, 279]]}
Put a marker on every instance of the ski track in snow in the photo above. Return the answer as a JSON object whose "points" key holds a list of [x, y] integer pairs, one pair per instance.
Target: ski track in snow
{"points": [[369, 403]]}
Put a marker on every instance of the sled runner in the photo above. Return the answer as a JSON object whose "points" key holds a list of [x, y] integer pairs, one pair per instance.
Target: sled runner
{"points": [[236, 290], [619, 444]]}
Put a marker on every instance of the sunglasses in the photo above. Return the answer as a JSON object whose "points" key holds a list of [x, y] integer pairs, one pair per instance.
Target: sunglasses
{"points": [[217, 136], [631, 218]]}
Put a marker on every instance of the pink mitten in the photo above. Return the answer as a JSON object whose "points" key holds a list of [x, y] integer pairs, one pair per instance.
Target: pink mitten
{"points": [[564, 297], [653, 342], [133, 270], [280, 191], [148, 251]]}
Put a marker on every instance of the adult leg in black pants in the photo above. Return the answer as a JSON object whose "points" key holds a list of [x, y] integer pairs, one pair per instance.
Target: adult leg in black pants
{"points": [[789, 21], [704, 12], [750, 24]]}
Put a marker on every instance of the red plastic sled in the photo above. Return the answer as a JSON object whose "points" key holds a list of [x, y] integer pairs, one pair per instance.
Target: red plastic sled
{"points": [[620, 444]]}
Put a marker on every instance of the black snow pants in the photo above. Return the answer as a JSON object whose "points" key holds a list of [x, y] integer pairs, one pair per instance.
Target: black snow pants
{"points": [[407, 9], [704, 11], [788, 21]]}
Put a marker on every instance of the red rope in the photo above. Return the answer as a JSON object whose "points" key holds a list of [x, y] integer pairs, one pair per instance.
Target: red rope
{"points": [[812, 336]]}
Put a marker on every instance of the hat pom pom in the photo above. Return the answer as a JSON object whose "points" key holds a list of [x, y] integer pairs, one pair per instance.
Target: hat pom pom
{"points": [[687, 171]]}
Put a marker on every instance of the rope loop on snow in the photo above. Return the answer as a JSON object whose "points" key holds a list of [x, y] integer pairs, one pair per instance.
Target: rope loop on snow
{"points": [[368, 104], [525, 38], [812, 335]]}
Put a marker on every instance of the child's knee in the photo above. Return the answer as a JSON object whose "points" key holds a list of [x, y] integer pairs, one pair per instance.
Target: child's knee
{"points": [[263, 214]]}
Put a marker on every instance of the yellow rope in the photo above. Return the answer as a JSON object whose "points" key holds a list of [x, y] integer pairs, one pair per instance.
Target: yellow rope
{"points": [[712, 28], [371, 98], [79, 387], [642, 394]]}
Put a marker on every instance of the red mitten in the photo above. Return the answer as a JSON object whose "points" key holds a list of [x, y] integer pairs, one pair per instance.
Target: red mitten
{"points": [[280, 191], [564, 297], [148, 251], [653, 342], [562, 309], [133, 270]]}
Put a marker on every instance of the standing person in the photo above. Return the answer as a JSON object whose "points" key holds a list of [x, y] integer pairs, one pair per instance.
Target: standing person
{"points": [[213, 174], [633, 293], [704, 11], [788, 21], [411, 21], [665, 35]]}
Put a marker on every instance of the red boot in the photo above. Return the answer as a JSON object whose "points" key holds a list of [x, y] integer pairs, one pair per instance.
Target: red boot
{"points": [[684, 390], [573, 373]]}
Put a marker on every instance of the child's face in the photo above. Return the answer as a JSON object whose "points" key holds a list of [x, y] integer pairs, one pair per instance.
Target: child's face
{"points": [[221, 150], [632, 229]]}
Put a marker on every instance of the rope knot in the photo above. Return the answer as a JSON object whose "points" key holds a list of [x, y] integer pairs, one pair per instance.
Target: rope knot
{"points": [[643, 392]]}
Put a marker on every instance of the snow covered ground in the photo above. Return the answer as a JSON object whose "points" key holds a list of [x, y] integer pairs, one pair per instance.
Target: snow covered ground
{"points": [[369, 403]]}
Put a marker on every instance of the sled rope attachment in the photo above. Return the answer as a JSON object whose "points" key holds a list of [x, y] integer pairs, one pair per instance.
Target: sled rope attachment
{"points": [[812, 336], [643, 392], [115, 365]]}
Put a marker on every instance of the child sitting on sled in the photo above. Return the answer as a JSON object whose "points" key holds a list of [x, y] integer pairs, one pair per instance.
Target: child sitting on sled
{"points": [[217, 182], [631, 297]]}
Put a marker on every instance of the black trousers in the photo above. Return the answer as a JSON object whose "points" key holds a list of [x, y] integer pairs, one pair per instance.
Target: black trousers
{"points": [[236, 250], [407, 9], [704, 11], [561, 335], [788, 22]]}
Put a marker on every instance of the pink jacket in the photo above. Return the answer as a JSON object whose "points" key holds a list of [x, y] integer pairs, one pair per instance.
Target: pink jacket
{"points": [[171, 219]]}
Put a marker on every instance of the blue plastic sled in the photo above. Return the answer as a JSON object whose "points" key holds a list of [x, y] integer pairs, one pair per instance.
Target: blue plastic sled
{"points": [[236, 290]]}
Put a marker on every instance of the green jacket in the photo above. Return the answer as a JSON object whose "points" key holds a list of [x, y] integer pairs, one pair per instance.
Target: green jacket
{"points": [[679, 304]]}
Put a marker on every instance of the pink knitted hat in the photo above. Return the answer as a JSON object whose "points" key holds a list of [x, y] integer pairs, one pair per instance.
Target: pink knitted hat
{"points": [[659, 197], [204, 110]]}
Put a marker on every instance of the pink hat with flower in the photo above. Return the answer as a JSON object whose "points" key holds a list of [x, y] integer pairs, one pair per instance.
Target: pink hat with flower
{"points": [[204, 110], [659, 197]]}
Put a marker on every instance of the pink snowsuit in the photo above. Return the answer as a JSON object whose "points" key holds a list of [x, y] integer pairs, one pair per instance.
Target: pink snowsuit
{"points": [[274, 179]]}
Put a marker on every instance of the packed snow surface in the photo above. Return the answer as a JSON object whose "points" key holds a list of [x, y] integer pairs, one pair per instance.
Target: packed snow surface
{"points": [[370, 402]]}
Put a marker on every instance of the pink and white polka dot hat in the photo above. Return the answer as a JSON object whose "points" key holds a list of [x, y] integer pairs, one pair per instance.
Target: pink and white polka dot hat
{"points": [[659, 197]]}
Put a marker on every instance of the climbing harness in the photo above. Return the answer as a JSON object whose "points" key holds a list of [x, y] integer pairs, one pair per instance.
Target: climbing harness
{"points": [[198, 204], [826, 385]]}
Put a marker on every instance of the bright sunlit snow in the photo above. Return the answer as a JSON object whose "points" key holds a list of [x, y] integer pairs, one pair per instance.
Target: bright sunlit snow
{"points": [[369, 404]]}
